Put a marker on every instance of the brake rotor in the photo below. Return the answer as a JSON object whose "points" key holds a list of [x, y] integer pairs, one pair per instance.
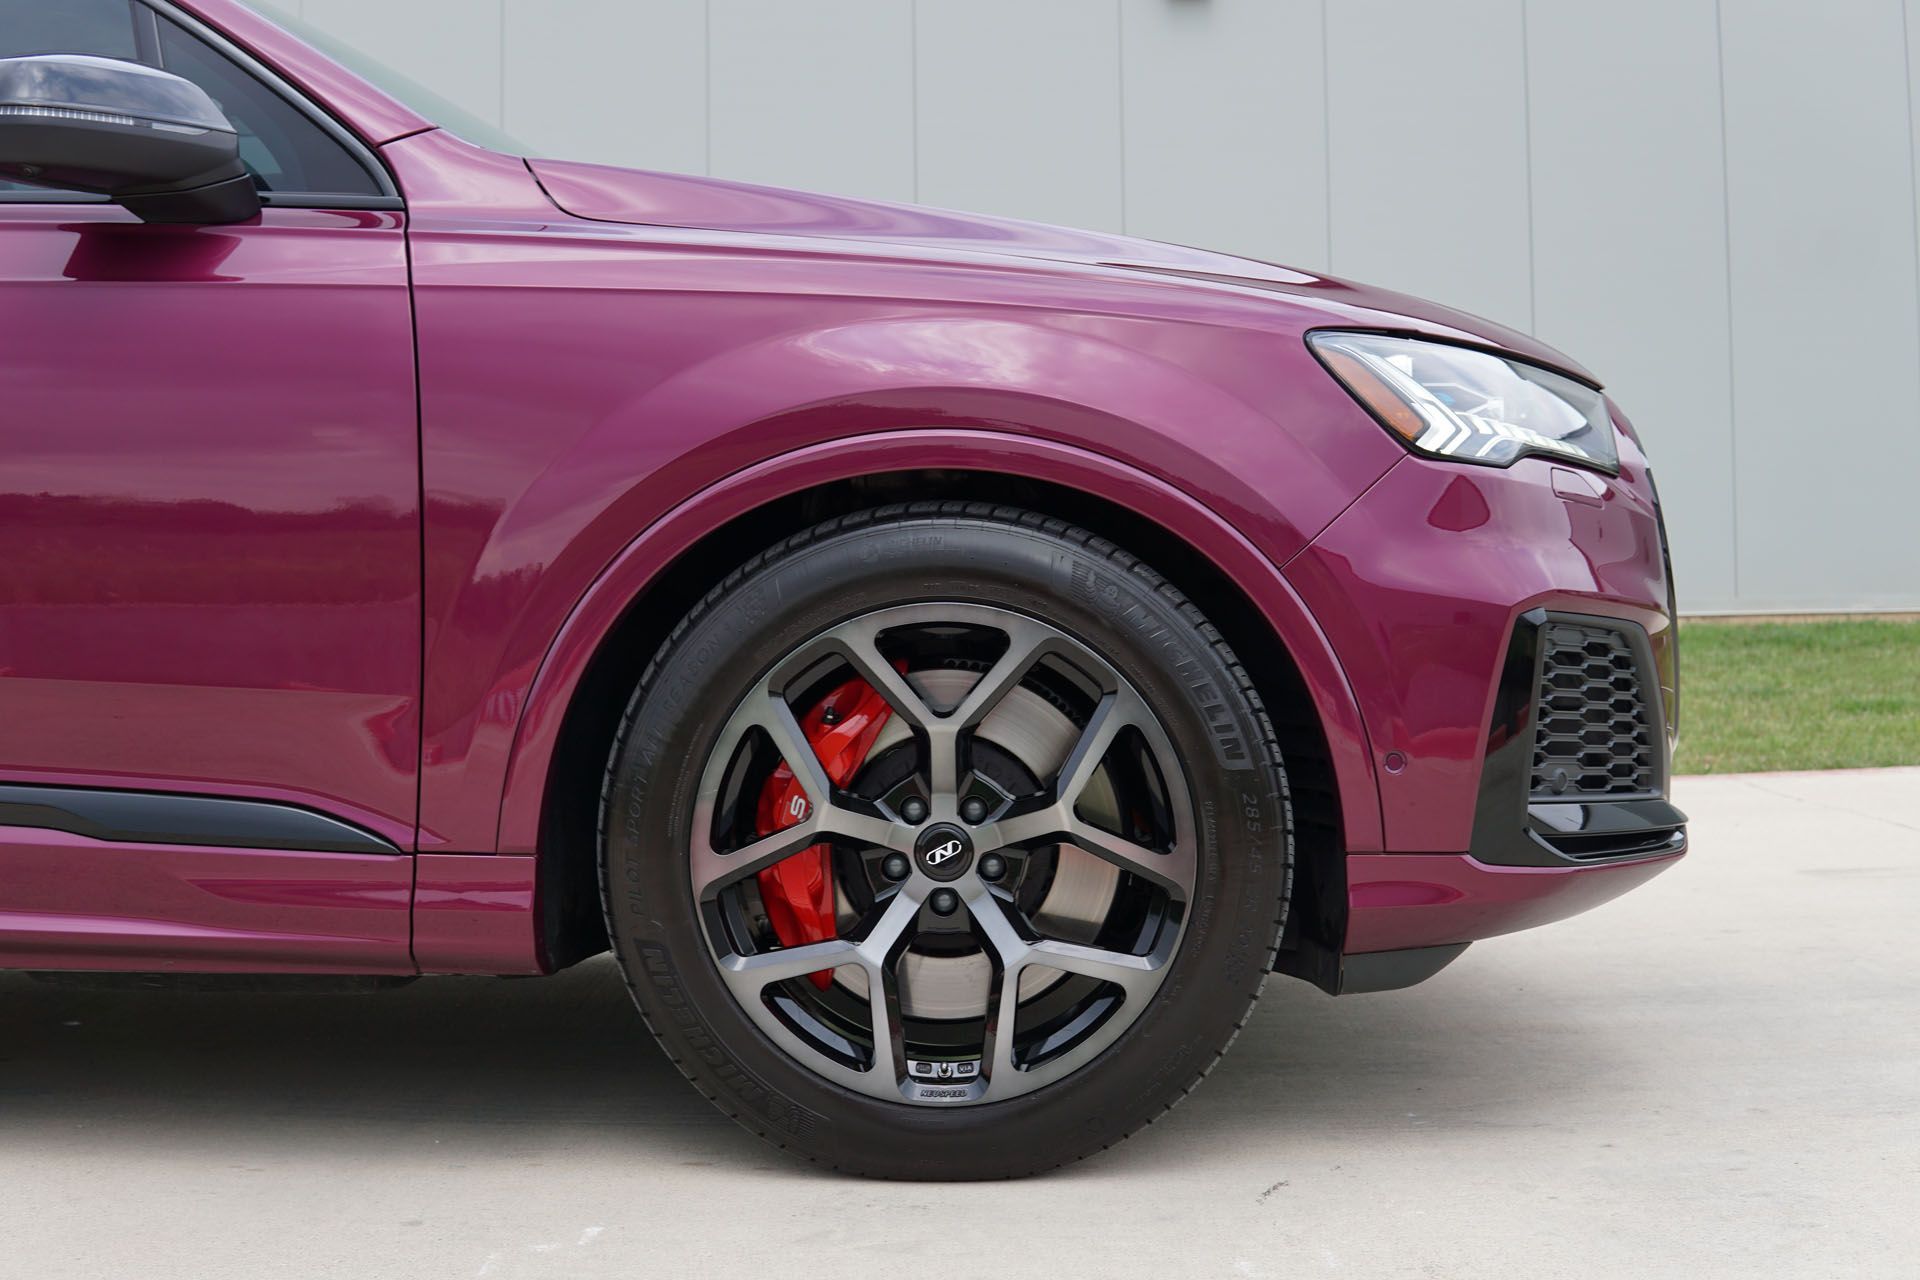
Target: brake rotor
{"points": [[1038, 735]]}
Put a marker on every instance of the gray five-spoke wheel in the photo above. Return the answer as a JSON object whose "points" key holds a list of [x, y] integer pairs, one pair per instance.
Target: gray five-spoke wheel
{"points": [[1117, 794]]}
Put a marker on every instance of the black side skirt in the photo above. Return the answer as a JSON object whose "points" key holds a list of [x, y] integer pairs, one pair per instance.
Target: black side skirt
{"points": [[147, 817]]}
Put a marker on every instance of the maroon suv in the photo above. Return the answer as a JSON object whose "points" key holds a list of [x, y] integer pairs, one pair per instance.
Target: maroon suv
{"points": [[950, 661]]}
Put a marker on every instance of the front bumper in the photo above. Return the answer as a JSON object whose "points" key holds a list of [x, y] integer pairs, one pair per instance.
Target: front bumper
{"points": [[1456, 598], [1545, 845]]}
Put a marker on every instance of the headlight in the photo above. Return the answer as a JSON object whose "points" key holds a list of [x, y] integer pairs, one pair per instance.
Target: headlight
{"points": [[1469, 406]]}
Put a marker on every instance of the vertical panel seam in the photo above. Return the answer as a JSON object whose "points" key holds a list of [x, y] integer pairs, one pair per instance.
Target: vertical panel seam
{"points": [[420, 525], [1726, 217], [1526, 125], [502, 33]]}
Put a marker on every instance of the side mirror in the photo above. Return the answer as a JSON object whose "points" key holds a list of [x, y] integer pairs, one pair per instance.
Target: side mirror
{"points": [[155, 143]]}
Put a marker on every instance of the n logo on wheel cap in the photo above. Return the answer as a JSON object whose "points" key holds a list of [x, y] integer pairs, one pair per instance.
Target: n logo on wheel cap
{"points": [[944, 851], [951, 849]]}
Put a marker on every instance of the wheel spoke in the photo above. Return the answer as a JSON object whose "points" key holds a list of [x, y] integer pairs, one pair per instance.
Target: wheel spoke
{"points": [[1173, 871], [1055, 824], [791, 962], [1118, 710], [711, 870], [1027, 643], [858, 643], [1005, 934], [1132, 974], [880, 953], [768, 711], [884, 939], [866, 829], [1056, 821], [889, 1064], [1023, 827], [714, 871], [996, 1049], [1006, 942], [776, 718]]}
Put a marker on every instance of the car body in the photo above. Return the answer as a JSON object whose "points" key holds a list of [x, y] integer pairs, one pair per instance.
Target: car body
{"points": [[329, 536]]}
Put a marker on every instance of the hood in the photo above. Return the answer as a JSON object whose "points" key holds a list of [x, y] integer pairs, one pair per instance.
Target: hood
{"points": [[601, 193]]}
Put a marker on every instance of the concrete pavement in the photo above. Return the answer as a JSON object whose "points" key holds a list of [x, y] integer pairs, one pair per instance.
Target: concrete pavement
{"points": [[1716, 1076]]}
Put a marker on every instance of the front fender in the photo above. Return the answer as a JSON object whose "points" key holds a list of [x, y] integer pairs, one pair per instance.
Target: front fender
{"points": [[552, 688], [638, 377], [581, 381]]}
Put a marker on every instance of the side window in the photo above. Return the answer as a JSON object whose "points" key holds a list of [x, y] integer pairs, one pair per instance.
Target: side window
{"points": [[287, 153]]}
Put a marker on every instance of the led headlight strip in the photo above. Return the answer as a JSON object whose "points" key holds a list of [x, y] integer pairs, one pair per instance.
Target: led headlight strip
{"points": [[1470, 406]]}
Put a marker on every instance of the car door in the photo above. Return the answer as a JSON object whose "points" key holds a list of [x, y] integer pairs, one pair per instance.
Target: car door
{"points": [[209, 526]]}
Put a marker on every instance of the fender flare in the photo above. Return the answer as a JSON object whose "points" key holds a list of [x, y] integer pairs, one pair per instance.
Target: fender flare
{"points": [[657, 547]]}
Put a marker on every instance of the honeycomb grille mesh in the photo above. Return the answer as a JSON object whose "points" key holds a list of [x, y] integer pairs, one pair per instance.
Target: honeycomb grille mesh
{"points": [[1595, 734]]}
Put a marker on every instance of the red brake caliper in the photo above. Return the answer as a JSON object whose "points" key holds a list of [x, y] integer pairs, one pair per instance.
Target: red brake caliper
{"points": [[798, 891]]}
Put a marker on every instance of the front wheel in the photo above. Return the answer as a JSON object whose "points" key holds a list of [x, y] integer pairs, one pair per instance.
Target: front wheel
{"points": [[945, 841]]}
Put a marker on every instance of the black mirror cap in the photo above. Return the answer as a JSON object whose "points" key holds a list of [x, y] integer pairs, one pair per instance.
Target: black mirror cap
{"points": [[153, 142]]}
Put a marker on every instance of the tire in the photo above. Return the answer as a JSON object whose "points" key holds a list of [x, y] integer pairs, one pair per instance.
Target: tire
{"points": [[1207, 747]]}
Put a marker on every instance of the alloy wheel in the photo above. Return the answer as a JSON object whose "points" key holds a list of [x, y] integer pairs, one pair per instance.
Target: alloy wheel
{"points": [[1008, 849]]}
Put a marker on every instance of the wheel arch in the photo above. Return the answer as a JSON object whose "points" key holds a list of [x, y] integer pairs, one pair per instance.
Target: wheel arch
{"points": [[552, 793]]}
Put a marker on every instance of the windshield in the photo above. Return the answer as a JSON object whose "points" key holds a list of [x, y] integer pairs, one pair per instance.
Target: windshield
{"points": [[423, 101]]}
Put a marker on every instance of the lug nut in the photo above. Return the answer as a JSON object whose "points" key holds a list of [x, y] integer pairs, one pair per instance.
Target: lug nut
{"points": [[944, 902], [914, 810], [974, 809], [895, 866], [992, 867]]}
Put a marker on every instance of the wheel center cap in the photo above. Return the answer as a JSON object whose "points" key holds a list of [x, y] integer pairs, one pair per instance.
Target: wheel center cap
{"points": [[943, 851]]}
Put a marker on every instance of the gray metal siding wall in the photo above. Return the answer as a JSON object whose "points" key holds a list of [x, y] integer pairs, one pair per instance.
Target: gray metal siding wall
{"points": [[1709, 202]]}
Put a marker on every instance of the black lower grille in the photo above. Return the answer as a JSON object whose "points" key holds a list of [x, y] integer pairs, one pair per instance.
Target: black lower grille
{"points": [[1595, 734], [1610, 844]]}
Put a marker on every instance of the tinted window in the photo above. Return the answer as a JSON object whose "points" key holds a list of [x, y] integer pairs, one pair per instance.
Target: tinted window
{"points": [[285, 150], [287, 153]]}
